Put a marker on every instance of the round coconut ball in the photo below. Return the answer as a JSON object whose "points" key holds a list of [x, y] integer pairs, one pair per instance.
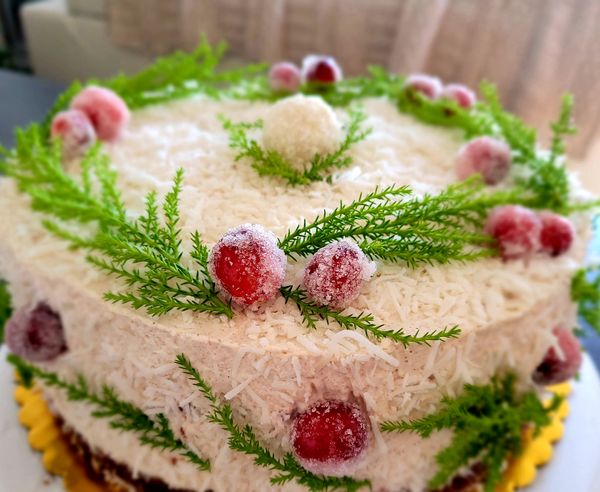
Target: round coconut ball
{"points": [[299, 127]]}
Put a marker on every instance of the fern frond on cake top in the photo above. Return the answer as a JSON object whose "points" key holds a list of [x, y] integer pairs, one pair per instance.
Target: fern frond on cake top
{"points": [[585, 292]]}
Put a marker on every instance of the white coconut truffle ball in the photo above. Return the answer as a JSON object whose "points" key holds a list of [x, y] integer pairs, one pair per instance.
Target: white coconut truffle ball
{"points": [[299, 127]]}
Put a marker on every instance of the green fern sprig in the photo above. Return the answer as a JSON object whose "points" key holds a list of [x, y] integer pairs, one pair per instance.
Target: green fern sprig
{"points": [[244, 440], [124, 416], [487, 423], [585, 292], [270, 163], [5, 308], [312, 312]]}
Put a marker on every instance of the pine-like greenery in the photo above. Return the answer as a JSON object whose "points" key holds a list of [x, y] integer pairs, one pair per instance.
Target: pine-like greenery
{"points": [[585, 292], [312, 312], [487, 423], [268, 162], [5, 308], [124, 416], [244, 440], [90, 214]]}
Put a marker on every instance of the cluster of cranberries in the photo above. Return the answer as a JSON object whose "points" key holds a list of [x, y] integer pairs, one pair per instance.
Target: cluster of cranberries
{"points": [[433, 88], [36, 334], [94, 113], [559, 366], [248, 264], [521, 232], [316, 69]]}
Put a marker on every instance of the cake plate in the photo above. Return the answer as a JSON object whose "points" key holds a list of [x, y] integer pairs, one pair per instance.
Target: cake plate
{"points": [[575, 465]]}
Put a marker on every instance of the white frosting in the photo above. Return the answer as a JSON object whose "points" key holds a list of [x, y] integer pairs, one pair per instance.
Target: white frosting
{"points": [[266, 362]]}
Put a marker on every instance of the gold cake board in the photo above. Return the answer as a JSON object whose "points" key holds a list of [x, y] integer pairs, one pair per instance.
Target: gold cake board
{"points": [[58, 459]]}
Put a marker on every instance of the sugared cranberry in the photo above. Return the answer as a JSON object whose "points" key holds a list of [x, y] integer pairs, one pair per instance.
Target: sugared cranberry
{"points": [[75, 130], [329, 437], [557, 368], [517, 230], [486, 156], [335, 274], [247, 264], [557, 233], [430, 87], [36, 334], [106, 110], [321, 69], [464, 96], [285, 77]]}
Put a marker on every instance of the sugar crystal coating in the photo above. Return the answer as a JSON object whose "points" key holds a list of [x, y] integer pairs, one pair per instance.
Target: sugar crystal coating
{"points": [[335, 274], [321, 69], [284, 76], [559, 367], [330, 437], [516, 229], [487, 156], [105, 109], [75, 131], [36, 334], [464, 96], [557, 233], [431, 87], [247, 264]]}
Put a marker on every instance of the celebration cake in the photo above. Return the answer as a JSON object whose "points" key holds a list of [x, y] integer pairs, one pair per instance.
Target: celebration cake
{"points": [[239, 280]]}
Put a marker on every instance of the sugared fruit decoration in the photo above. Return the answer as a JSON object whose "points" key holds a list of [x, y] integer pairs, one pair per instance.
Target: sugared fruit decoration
{"points": [[487, 156], [299, 127], [284, 77], [460, 93], [427, 85], [321, 69], [105, 109], [559, 367], [75, 131], [557, 233], [516, 229], [336, 273], [36, 334], [330, 437], [247, 264]]}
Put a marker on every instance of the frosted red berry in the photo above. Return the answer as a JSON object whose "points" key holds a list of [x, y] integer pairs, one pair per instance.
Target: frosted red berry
{"points": [[105, 109], [430, 87], [284, 77], [247, 264], [335, 274], [321, 69], [556, 367], [487, 156], [36, 334], [464, 96], [75, 131], [557, 233], [329, 437], [516, 229]]}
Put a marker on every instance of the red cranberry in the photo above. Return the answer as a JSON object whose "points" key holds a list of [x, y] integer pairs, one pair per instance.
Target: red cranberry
{"points": [[75, 130], [106, 110], [430, 87], [557, 233], [517, 230], [486, 156], [36, 334], [558, 368], [329, 437], [321, 70], [464, 96], [285, 77], [247, 264], [335, 274]]}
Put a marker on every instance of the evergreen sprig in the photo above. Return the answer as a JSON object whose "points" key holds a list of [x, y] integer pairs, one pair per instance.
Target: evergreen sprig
{"points": [[585, 292], [5, 308], [145, 253], [268, 162], [487, 422], [244, 440], [124, 416], [393, 224], [312, 312]]}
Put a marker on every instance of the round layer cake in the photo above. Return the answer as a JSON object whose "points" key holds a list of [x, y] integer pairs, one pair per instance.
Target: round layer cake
{"points": [[265, 361]]}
